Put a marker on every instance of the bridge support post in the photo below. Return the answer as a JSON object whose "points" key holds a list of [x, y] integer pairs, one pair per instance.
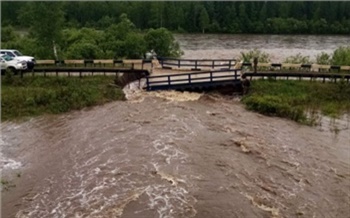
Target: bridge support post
{"points": [[147, 84]]}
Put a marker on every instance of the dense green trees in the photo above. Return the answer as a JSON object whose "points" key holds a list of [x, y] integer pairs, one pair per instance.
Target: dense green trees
{"points": [[227, 17], [124, 29], [49, 39]]}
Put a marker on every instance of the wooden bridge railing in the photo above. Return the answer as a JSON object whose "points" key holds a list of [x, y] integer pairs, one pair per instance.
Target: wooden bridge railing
{"points": [[307, 67], [80, 71], [300, 75], [196, 64], [207, 77], [95, 63]]}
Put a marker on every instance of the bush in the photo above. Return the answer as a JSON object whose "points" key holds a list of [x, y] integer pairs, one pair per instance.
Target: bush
{"points": [[83, 50], [341, 56], [298, 59], [163, 43], [263, 57], [323, 58]]}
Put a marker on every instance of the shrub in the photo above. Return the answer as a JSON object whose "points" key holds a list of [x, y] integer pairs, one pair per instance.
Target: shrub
{"points": [[298, 59], [323, 58], [250, 55], [163, 43], [341, 56]]}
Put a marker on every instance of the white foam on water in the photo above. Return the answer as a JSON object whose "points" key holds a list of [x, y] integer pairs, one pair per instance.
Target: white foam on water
{"points": [[177, 95], [169, 200], [94, 188], [134, 91], [7, 163]]}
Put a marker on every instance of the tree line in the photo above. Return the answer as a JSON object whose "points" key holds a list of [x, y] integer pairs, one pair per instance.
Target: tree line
{"points": [[300, 17], [51, 37], [99, 30]]}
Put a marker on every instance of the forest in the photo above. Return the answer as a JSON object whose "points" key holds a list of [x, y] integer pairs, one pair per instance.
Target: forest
{"points": [[299, 17], [122, 29]]}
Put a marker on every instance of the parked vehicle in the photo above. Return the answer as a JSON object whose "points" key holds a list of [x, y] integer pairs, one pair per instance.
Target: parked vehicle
{"points": [[9, 63], [19, 56]]}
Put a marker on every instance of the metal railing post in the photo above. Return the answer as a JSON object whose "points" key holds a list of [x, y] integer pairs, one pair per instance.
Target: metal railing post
{"points": [[147, 83]]}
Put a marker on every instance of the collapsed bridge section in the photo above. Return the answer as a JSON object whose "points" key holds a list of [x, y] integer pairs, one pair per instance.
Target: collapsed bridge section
{"points": [[193, 80]]}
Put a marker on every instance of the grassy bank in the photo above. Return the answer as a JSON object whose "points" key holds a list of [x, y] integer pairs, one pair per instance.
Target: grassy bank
{"points": [[296, 99], [32, 96]]}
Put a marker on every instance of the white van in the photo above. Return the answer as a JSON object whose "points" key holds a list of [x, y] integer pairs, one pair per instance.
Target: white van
{"points": [[19, 56]]}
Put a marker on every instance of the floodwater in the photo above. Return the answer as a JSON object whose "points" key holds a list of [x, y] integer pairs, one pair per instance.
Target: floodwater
{"points": [[279, 47], [174, 155]]}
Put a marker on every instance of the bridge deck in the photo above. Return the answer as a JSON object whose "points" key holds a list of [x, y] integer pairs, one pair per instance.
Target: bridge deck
{"points": [[193, 80]]}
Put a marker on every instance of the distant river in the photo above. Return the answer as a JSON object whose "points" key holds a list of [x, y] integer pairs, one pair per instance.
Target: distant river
{"points": [[277, 46]]}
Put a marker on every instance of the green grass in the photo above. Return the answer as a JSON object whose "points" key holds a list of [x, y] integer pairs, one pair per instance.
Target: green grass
{"points": [[33, 96], [293, 99]]}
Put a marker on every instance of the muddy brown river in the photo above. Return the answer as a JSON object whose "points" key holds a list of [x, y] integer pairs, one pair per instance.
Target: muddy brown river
{"points": [[174, 155], [278, 47]]}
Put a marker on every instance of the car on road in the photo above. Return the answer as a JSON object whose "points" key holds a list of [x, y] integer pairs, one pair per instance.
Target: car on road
{"points": [[19, 56], [9, 63]]}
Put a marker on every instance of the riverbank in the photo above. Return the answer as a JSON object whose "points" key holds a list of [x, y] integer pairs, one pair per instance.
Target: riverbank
{"points": [[33, 96], [298, 100]]}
